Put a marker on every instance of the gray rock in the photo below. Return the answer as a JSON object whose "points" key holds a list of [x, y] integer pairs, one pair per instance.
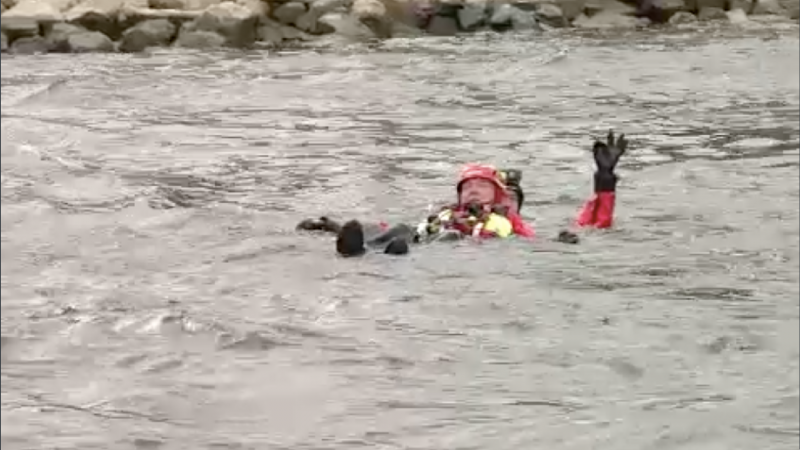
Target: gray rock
{"points": [[509, 17], [150, 33], [552, 15], [472, 16], [198, 39], [288, 13], [236, 23], [309, 22], [347, 26], [29, 46], [4, 42], [57, 36], [18, 27], [90, 42], [660, 11], [97, 15], [293, 34], [442, 26], [270, 33], [709, 13], [737, 16], [768, 7], [682, 17]]}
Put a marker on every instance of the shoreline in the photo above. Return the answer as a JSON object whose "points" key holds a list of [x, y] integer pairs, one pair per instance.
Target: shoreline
{"points": [[132, 26]]}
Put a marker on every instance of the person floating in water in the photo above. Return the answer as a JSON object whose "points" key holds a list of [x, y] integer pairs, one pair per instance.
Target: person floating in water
{"points": [[488, 205]]}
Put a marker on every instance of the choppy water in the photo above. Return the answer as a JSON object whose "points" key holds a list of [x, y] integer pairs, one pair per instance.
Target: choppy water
{"points": [[155, 295]]}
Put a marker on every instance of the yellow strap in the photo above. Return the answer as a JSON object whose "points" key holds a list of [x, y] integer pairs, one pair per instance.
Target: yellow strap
{"points": [[498, 225]]}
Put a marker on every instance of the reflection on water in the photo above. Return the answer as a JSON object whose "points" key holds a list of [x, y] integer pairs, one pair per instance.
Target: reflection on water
{"points": [[155, 294]]}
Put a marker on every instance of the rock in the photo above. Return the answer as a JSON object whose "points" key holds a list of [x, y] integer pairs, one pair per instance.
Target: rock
{"points": [[3, 42], [768, 7], [507, 17], [293, 34], [373, 14], [42, 11], [572, 8], [682, 18], [57, 36], [270, 33], [472, 16], [28, 46], [198, 39], [89, 42], [8, 4], [745, 5], [235, 22], [150, 33], [102, 15], [791, 8], [18, 27], [288, 13], [660, 11], [737, 16], [309, 22], [442, 26], [709, 13], [346, 25], [552, 15]]}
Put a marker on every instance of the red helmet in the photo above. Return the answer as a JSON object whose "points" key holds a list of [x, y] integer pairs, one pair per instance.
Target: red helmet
{"points": [[482, 171]]}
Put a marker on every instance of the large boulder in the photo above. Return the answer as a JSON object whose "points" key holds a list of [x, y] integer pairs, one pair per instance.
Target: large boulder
{"points": [[309, 22], [199, 39], [472, 16], [737, 16], [19, 27], [791, 8], [103, 15], [236, 22], [58, 35], [768, 7], [440, 25], [682, 18], [347, 26], [374, 14], [508, 17], [150, 33], [89, 42], [289, 12], [660, 11], [29, 46], [551, 15], [42, 11]]}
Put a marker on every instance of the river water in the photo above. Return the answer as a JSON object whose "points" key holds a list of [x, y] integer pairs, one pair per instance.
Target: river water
{"points": [[156, 296]]}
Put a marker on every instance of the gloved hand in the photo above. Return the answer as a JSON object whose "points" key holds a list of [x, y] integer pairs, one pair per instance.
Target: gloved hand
{"points": [[321, 224], [606, 157]]}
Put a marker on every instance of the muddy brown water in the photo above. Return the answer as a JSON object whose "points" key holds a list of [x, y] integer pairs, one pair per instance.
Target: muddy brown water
{"points": [[155, 295]]}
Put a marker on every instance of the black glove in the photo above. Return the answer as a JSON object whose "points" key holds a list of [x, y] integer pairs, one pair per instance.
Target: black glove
{"points": [[606, 157], [321, 224]]}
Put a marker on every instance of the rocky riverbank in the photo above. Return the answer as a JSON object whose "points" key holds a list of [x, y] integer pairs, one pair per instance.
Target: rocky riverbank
{"points": [[40, 26]]}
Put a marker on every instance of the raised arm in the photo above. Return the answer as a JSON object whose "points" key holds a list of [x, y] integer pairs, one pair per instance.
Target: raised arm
{"points": [[598, 211]]}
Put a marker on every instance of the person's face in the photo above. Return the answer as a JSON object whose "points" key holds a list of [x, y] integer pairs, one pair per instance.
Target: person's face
{"points": [[477, 190]]}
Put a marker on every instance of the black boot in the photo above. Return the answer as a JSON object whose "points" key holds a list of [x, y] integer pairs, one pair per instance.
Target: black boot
{"points": [[397, 246], [350, 239]]}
